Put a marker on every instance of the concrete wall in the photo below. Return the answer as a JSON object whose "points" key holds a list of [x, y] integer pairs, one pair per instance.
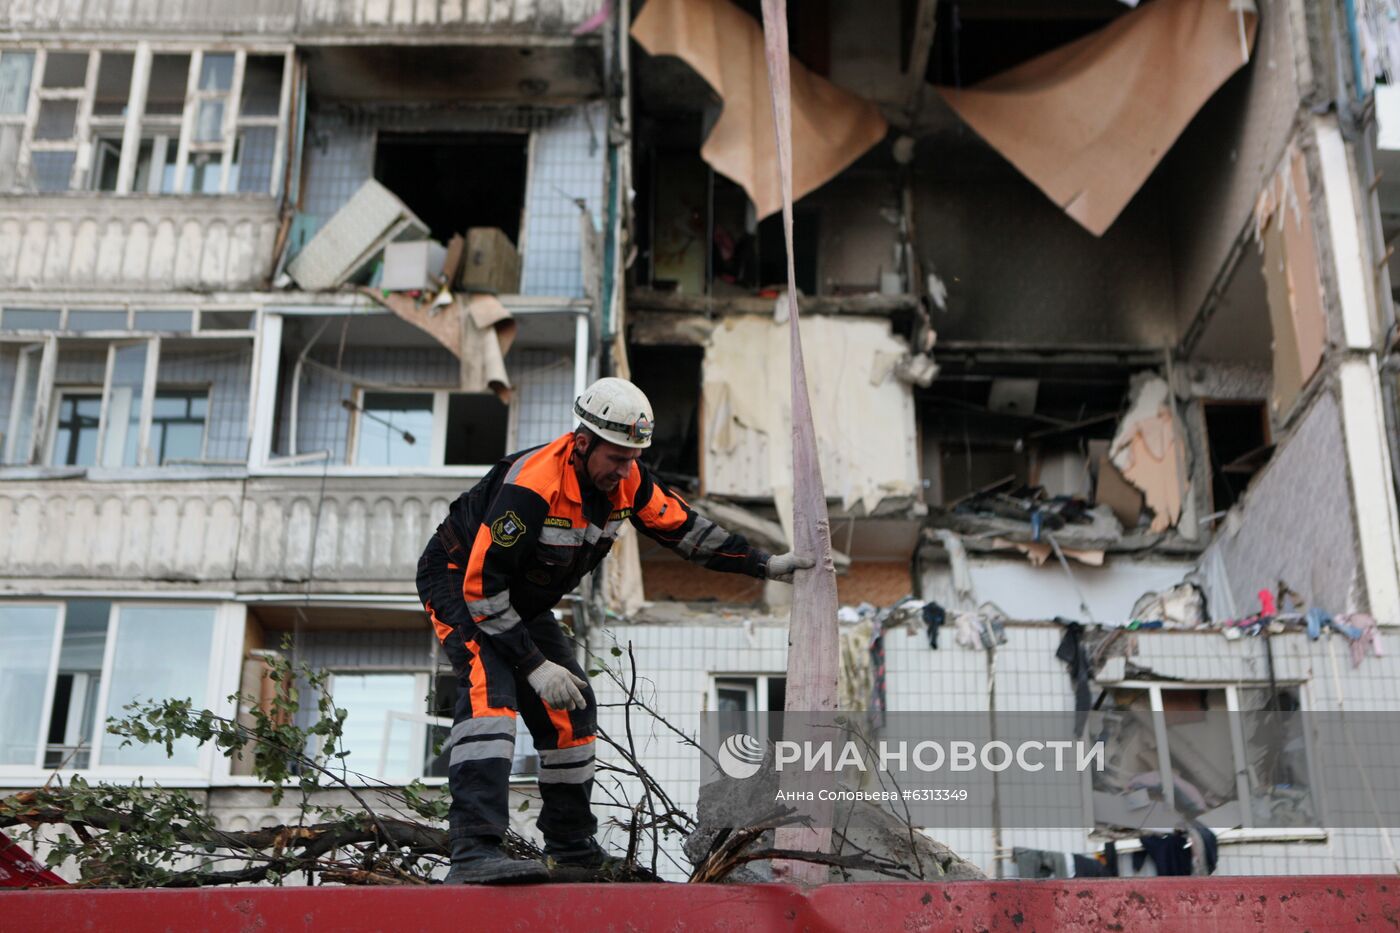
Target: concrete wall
{"points": [[1294, 524], [1217, 167], [1018, 269]]}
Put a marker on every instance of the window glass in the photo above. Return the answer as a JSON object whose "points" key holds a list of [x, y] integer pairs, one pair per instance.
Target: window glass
{"points": [[57, 118], [203, 172], [253, 159], [262, 86], [30, 319], [96, 320], [166, 93], [226, 320], [106, 160], [178, 419], [10, 136], [395, 429], [16, 69], [73, 715], [216, 73], [53, 171], [113, 84], [161, 652], [75, 440], [26, 644], [177, 322], [120, 445], [368, 699], [65, 69], [209, 122], [1276, 758], [28, 389]]}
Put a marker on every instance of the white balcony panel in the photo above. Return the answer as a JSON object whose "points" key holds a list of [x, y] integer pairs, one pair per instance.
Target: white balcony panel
{"points": [[141, 243], [330, 18], [173, 531], [365, 533]]}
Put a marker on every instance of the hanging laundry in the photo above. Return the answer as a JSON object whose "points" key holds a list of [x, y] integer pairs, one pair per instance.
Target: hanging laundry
{"points": [[1171, 854], [934, 617], [1365, 636], [1071, 651], [1041, 863]]}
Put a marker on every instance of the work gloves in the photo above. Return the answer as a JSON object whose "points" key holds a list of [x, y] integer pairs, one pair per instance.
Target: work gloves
{"points": [[781, 566], [557, 686]]}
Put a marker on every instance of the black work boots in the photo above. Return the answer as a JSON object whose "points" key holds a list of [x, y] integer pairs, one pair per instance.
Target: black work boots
{"points": [[579, 853], [479, 860]]}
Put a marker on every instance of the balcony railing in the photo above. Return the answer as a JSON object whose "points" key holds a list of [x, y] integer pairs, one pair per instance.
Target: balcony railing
{"points": [[136, 242], [310, 19], [248, 534]]}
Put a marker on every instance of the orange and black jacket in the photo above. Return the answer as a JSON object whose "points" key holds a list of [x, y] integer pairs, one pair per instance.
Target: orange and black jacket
{"points": [[527, 534]]}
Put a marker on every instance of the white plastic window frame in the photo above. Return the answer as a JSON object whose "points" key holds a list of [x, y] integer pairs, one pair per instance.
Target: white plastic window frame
{"points": [[129, 309], [437, 447], [755, 684], [1246, 832], [422, 681], [44, 406], [221, 681], [134, 124]]}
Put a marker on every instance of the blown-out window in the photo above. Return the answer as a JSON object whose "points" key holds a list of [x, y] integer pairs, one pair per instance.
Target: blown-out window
{"points": [[134, 121]]}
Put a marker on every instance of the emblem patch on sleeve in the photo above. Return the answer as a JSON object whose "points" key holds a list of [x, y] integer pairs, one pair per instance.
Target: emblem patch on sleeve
{"points": [[507, 529]]}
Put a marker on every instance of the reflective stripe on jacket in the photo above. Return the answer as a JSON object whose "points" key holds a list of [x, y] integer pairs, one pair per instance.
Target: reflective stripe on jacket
{"points": [[527, 534]]}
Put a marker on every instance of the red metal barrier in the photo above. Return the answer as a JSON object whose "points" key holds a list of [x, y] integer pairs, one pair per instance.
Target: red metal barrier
{"points": [[1208, 905]]}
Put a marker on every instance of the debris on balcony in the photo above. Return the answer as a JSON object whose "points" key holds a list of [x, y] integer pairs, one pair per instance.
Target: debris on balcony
{"points": [[1088, 122], [354, 237], [1149, 450]]}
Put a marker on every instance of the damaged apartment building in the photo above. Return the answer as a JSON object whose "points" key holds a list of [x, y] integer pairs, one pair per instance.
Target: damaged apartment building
{"points": [[1096, 307]]}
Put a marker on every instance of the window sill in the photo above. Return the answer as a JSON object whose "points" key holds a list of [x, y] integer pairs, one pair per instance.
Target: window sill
{"points": [[164, 474], [451, 472]]}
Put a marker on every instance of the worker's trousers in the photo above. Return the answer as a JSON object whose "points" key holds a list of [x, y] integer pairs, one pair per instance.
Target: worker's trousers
{"points": [[490, 694]]}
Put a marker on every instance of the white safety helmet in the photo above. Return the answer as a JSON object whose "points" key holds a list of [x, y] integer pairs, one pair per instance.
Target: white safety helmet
{"points": [[617, 411]]}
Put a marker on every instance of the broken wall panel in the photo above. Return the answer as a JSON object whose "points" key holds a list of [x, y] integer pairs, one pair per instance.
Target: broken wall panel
{"points": [[865, 422], [1292, 279], [1228, 152], [1295, 524], [1089, 121], [831, 127], [1027, 592]]}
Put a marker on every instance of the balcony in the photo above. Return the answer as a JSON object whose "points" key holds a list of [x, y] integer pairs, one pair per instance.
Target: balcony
{"points": [[139, 531], [368, 537], [148, 243], [312, 20]]}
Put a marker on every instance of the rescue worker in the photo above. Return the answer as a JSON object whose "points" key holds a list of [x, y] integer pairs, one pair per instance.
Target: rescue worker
{"points": [[507, 553]]}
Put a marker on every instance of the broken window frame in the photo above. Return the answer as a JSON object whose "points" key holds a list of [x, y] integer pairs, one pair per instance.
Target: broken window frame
{"points": [[437, 443], [42, 349], [267, 376], [135, 125], [1155, 689]]}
